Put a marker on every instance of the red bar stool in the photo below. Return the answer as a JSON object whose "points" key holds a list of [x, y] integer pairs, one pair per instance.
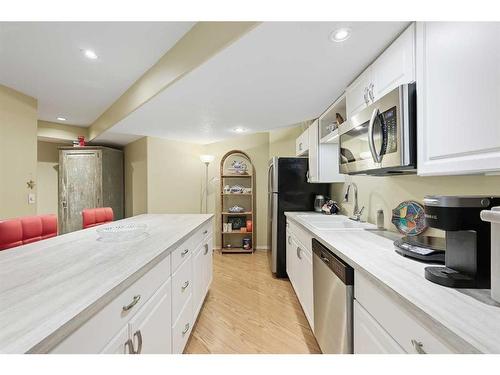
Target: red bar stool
{"points": [[25, 230], [92, 217]]}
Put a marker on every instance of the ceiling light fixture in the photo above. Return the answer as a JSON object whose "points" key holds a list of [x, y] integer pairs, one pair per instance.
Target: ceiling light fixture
{"points": [[89, 54], [340, 35], [239, 130], [61, 118]]}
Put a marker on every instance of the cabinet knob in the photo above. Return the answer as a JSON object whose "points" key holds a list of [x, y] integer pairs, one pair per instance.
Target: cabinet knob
{"points": [[185, 285], [186, 328], [205, 231], [206, 249], [133, 303], [418, 346], [185, 252], [298, 252], [300, 146], [289, 240]]}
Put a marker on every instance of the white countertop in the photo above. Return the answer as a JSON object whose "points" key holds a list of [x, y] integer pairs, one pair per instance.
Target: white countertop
{"points": [[49, 288], [468, 319]]}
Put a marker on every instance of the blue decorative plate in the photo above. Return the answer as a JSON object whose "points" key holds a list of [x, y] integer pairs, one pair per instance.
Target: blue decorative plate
{"points": [[409, 218]]}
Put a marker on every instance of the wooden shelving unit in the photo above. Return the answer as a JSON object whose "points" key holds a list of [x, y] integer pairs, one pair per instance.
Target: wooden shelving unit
{"points": [[246, 200]]}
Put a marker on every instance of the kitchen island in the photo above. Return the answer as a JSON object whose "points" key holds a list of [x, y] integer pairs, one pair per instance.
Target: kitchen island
{"points": [[77, 293], [396, 309]]}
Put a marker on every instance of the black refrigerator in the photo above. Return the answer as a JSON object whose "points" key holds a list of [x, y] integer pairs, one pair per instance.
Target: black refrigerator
{"points": [[288, 190]]}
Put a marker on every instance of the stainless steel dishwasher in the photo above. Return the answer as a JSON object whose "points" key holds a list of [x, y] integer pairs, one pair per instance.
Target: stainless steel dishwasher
{"points": [[333, 282]]}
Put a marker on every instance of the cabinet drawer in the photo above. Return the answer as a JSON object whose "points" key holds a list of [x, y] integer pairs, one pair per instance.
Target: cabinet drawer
{"points": [[399, 323], [182, 328], [182, 286], [183, 252], [201, 235], [302, 236], [370, 337], [93, 335]]}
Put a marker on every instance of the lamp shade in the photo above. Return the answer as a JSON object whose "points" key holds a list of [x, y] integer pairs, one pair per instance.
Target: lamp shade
{"points": [[206, 158]]}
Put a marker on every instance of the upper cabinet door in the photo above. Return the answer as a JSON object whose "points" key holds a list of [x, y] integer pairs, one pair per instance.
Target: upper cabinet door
{"points": [[458, 91], [396, 66], [302, 144], [357, 95], [313, 152]]}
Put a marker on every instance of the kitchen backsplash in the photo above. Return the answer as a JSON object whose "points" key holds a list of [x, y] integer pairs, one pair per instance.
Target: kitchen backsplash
{"points": [[387, 192]]}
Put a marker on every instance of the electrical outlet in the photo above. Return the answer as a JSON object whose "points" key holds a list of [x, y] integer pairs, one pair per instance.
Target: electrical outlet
{"points": [[31, 198]]}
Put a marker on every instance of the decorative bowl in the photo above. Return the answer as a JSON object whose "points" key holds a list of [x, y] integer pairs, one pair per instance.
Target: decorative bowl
{"points": [[121, 232], [236, 209], [409, 218]]}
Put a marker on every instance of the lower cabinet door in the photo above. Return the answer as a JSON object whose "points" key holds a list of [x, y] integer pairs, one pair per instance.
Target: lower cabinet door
{"points": [[120, 344], [307, 298], [150, 330], [370, 337], [199, 286], [182, 327]]}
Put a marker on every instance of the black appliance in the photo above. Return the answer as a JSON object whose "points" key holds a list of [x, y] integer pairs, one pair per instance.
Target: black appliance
{"points": [[468, 247], [423, 248], [288, 191]]}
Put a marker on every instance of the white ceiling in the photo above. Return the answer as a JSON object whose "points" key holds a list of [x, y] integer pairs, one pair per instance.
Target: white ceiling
{"points": [[44, 60], [279, 74]]}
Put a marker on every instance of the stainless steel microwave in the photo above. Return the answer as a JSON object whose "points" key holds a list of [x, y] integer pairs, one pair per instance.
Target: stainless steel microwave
{"points": [[382, 138]]}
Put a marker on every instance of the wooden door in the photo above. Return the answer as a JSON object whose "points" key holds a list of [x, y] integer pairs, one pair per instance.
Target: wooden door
{"points": [[80, 186]]}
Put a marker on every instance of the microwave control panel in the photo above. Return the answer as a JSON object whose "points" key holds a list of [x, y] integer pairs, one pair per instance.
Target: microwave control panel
{"points": [[390, 130]]}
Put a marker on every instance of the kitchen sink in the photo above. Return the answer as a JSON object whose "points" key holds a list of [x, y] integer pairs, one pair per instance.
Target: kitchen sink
{"points": [[334, 222]]}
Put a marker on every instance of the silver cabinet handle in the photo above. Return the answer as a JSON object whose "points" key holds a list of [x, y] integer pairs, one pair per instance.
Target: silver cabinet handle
{"points": [[370, 92], [133, 303], [365, 95], [206, 249], [418, 346], [185, 252], [139, 341], [298, 253], [289, 240], [185, 285], [300, 146], [377, 158], [186, 328], [130, 346]]}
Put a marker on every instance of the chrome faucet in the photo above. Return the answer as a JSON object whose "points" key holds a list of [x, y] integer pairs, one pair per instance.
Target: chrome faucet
{"points": [[356, 212]]}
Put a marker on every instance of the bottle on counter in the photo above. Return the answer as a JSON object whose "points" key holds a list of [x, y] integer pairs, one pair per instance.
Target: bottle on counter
{"points": [[380, 219]]}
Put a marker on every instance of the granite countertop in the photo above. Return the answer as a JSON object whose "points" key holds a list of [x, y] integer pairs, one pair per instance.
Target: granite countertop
{"points": [[466, 318], [53, 285]]}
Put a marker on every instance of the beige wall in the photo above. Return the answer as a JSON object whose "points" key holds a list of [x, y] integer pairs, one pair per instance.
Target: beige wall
{"points": [[54, 132], [48, 177], [174, 177], [387, 192], [282, 141], [18, 152], [136, 177]]}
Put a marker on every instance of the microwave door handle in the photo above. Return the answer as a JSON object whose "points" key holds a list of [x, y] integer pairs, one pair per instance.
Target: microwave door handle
{"points": [[377, 158]]}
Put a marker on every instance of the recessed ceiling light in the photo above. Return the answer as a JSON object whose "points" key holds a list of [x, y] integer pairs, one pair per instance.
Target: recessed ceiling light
{"points": [[340, 35], [239, 130], [61, 118], [89, 54]]}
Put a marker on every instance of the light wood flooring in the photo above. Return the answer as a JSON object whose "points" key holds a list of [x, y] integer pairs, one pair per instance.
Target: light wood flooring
{"points": [[247, 310]]}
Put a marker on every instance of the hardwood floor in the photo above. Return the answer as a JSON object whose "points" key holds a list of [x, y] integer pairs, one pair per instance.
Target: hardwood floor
{"points": [[247, 310]]}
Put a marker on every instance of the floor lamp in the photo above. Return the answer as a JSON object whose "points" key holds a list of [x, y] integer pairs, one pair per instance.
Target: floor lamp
{"points": [[206, 159]]}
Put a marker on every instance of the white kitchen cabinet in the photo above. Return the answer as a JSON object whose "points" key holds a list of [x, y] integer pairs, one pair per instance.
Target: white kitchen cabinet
{"points": [[323, 158], [150, 329], [300, 272], [458, 91], [302, 144], [394, 317], [370, 337], [356, 93], [394, 67], [202, 274], [155, 313]]}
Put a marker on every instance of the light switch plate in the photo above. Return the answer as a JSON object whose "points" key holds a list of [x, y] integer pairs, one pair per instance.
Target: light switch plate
{"points": [[31, 198]]}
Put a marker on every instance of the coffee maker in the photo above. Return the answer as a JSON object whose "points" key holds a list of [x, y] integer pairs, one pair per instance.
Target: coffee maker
{"points": [[467, 256]]}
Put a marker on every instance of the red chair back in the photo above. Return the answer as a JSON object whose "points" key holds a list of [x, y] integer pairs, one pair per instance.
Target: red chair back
{"points": [[92, 217], [25, 230]]}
